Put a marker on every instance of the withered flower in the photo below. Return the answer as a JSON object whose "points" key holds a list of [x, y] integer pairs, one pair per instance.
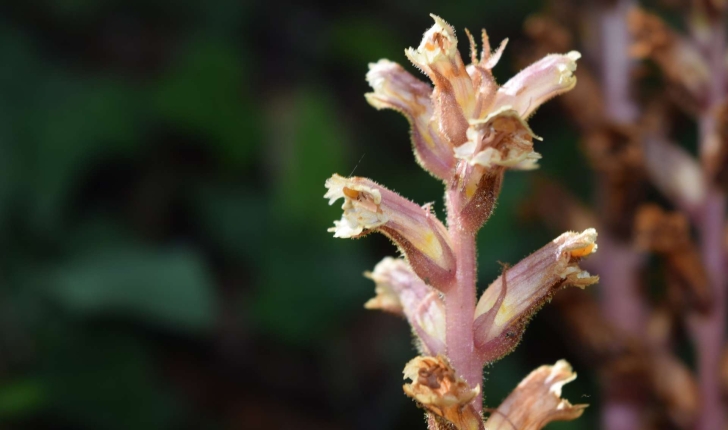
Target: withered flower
{"points": [[680, 60], [400, 291], [537, 401], [668, 234], [507, 304], [437, 388], [414, 229]]}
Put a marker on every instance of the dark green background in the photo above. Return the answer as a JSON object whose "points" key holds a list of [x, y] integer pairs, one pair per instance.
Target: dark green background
{"points": [[165, 261]]}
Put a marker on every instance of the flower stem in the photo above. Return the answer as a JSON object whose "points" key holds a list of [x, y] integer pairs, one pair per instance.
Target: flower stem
{"points": [[460, 300], [709, 330], [621, 301]]}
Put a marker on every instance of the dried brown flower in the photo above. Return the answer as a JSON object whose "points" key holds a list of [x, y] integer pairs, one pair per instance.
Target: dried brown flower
{"points": [[668, 234], [437, 388], [679, 59], [537, 401]]}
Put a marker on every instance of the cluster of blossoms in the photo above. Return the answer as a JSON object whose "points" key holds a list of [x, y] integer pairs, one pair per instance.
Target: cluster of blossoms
{"points": [[466, 131]]}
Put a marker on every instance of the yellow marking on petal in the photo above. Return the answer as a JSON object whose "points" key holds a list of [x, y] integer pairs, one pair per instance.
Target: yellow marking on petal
{"points": [[429, 245], [505, 313], [470, 189], [428, 140], [583, 252], [352, 194]]}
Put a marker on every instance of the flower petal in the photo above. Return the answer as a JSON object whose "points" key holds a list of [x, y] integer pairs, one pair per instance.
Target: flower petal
{"points": [[502, 140], [507, 304], [414, 229], [537, 83], [395, 88], [453, 98], [400, 291], [537, 401]]}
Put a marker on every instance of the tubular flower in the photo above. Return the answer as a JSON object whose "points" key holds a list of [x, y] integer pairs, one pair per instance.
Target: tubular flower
{"points": [[461, 94], [507, 304], [537, 401], [414, 229], [395, 88], [466, 117], [437, 388], [401, 292]]}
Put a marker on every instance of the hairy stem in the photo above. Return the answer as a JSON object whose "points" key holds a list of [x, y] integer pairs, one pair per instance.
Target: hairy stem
{"points": [[460, 301]]}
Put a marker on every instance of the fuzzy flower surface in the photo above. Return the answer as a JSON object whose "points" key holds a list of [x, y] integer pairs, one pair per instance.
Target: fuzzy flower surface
{"points": [[466, 105]]}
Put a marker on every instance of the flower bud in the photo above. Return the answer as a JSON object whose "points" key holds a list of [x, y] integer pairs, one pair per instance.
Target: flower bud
{"points": [[401, 292], [537, 401], [537, 83], [395, 88], [437, 388], [414, 229], [507, 304]]}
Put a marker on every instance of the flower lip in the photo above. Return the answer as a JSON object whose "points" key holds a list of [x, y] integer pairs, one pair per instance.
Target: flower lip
{"points": [[438, 42], [503, 138], [361, 207], [539, 82]]}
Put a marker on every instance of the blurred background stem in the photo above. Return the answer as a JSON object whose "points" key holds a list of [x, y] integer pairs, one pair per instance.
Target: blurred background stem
{"points": [[709, 330], [621, 301]]}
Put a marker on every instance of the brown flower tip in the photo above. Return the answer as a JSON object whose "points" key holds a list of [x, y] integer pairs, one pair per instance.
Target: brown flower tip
{"points": [[508, 303], [400, 291], [437, 388], [537, 401]]}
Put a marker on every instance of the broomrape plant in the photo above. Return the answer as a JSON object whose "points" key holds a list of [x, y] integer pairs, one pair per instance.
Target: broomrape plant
{"points": [[466, 131]]}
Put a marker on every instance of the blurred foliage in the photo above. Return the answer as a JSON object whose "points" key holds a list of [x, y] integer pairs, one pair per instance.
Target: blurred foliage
{"points": [[166, 261]]}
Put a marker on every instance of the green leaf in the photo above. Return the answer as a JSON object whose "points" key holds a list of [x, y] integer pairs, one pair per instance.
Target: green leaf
{"points": [[206, 92], [234, 219], [311, 148], [75, 123], [169, 288], [103, 379], [21, 397]]}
